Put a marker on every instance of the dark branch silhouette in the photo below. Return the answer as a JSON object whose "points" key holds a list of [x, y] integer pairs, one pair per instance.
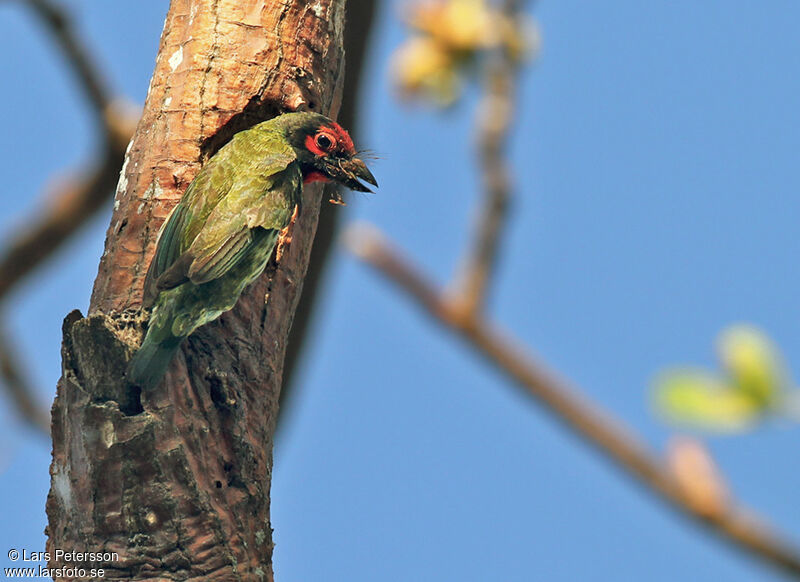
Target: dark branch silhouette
{"points": [[19, 388], [74, 200]]}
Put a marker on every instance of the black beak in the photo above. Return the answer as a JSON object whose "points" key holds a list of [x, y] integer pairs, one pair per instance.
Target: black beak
{"points": [[349, 172]]}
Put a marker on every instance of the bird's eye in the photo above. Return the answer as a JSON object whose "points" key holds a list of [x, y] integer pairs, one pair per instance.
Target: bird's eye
{"points": [[324, 142]]}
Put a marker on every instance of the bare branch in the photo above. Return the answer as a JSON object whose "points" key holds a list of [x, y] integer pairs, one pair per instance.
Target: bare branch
{"points": [[75, 200], [71, 205], [19, 388], [59, 25], [493, 127], [732, 522]]}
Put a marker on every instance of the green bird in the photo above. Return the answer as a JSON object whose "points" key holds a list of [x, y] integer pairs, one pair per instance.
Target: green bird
{"points": [[222, 233]]}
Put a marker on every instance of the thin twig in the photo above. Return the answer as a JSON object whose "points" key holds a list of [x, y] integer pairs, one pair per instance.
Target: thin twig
{"points": [[19, 388], [58, 23], [734, 523], [72, 204], [77, 199], [495, 114]]}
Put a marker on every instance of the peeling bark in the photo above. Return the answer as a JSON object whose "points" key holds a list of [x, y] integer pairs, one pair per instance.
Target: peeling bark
{"points": [[176, 481]]}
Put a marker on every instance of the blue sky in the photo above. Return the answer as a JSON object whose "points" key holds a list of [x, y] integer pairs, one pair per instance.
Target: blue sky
{"points": [[657, 161]]}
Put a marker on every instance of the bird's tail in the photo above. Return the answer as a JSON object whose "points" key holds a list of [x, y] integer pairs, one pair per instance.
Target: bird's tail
{"points": [[149, 364]]}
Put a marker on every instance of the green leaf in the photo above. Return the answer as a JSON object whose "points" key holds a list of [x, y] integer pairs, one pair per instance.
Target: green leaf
{"points": [[752, 363], [698, 398]]}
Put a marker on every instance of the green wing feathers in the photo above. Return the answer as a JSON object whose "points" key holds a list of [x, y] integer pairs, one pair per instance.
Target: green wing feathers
{"points": [[215, 242], [239, 189]]}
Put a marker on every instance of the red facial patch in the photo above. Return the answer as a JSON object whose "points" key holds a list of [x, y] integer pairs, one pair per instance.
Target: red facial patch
{"points": [[315, 177], [338, 138], [343, 138], [311, 145]]}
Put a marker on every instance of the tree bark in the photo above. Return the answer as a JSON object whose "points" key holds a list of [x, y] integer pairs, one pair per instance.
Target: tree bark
{"points": [[176, 481]]}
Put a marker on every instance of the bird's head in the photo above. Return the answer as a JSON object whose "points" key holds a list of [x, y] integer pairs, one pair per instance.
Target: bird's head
{"points": [[326, 152]]}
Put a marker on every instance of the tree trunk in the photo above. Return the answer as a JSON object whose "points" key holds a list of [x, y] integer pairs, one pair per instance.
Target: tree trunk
{"points": [[176, 481]]}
